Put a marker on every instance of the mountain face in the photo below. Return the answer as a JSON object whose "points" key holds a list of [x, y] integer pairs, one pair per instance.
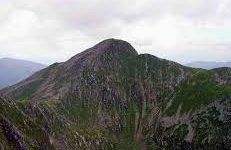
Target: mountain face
{"points": [[14, 70], [209, 65], [110, 97]]}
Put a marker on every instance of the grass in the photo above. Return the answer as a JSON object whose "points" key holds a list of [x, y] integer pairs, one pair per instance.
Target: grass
{"points": [[197, 91]]}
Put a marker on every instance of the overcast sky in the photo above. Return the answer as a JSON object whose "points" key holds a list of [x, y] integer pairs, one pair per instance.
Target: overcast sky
{"points": [[48, 31]]}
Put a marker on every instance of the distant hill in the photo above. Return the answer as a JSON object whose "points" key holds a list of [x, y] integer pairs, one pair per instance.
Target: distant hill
{"points": [[208, 64], [15, 70]]}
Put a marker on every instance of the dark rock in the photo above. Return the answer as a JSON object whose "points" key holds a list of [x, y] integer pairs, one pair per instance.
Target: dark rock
{"points": [[12, 135]]}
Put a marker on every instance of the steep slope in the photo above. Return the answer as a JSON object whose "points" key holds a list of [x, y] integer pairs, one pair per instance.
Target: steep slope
{"points": [[14, 70], [19, 130], [209, 65], [109, 97], [199, 114], [54, 81]]}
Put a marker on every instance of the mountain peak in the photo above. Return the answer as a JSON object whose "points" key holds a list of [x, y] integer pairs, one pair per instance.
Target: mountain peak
{"points": [[115, 45], [109, 48], [112, 41]]}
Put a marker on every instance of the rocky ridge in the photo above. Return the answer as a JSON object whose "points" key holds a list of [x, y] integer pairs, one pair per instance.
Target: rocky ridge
{"points": [[110, 97]]}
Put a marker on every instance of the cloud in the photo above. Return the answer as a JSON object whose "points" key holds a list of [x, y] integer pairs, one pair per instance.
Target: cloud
{"points": [[54, 30]]}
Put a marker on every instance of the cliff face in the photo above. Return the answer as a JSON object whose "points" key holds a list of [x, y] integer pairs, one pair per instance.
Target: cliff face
{"points": [[109, 97]]}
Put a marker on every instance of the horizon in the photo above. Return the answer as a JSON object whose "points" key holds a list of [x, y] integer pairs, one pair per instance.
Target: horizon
{"points": [[49, 32], [47, 64]]}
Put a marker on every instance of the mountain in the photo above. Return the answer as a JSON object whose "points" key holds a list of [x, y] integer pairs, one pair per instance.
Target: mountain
{"points": [[15, 70], [209, 65], [111, 97]]}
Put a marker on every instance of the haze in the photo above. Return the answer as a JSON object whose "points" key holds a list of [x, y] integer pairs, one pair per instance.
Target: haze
{"points": [[48, 31]]}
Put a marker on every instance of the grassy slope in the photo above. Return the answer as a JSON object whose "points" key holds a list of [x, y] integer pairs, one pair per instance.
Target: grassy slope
{"points": [[29, 128], [199, 90]]}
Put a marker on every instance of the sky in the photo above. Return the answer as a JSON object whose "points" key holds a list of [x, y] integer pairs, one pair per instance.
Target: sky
{"points": [[49, 31]]}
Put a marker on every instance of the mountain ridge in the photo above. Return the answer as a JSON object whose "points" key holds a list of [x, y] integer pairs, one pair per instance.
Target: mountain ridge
{"points": [[111, 97], [91, 58]]}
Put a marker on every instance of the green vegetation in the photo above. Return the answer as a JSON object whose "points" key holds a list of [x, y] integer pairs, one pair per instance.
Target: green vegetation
{"points": [[24, 124], [209, 128], [28, 91], [197, 91], [181, 131]]}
